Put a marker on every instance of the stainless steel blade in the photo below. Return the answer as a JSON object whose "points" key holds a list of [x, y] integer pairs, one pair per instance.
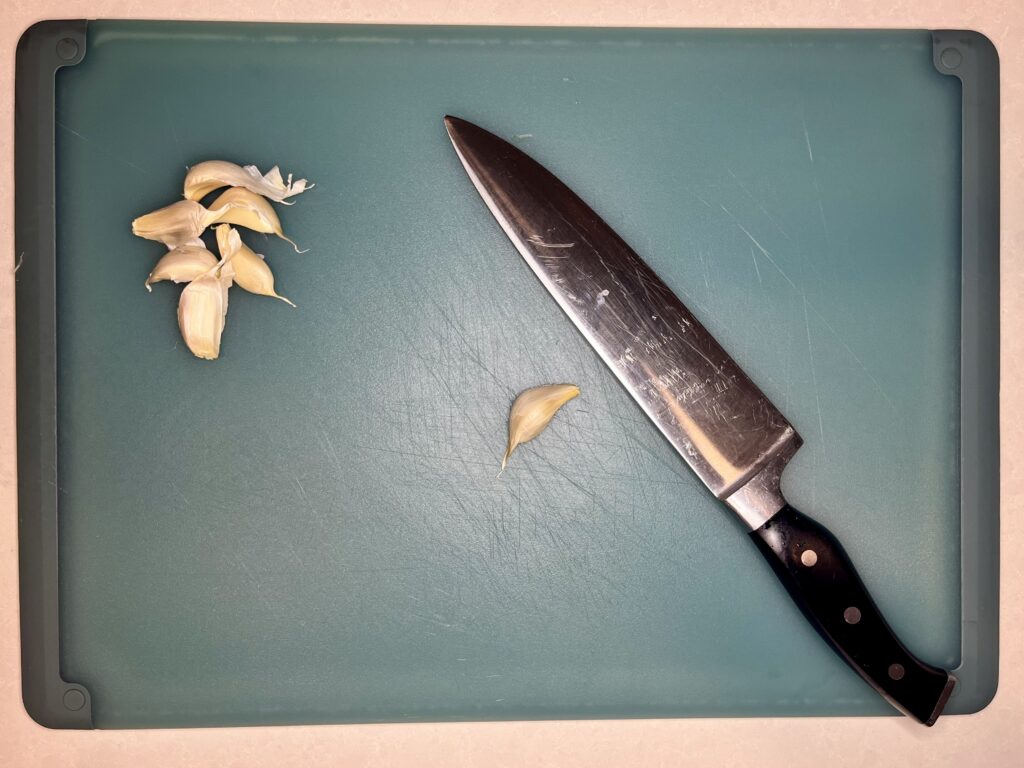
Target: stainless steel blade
{"points": [[716, 418], [722, 425]]}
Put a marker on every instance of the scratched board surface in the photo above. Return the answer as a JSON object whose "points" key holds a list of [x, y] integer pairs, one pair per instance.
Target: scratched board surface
{"points": [[312, 528]]}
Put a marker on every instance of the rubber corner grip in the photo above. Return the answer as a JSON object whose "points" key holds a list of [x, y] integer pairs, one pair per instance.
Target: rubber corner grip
{"points": [[53, 42], [60, 707], [963, 52]]}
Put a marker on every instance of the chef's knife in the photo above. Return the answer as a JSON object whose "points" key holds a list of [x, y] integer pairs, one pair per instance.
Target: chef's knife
{"points": [[731, 435]]}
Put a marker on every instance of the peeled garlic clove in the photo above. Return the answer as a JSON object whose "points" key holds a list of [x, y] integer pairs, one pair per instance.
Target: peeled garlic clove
{"points": [[177, 224], [251, 271], [243, 208], [203, 178], [532, 411], [184, 263], [202, 311]]}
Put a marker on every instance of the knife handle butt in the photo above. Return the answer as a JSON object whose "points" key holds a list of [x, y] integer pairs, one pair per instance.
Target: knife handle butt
{"points": [[821, 579]]}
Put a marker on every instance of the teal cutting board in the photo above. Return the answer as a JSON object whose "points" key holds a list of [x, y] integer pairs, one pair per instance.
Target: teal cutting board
{"points": [[313, 529]]}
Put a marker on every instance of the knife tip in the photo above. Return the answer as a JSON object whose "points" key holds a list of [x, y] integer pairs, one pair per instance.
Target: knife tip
{"points": [[451, 123]]}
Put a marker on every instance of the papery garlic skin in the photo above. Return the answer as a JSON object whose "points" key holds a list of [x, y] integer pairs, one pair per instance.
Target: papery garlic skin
{"points": [[184, 263], [228, 241], [532, 411], [177, 224], [243, 208], [202, 311], [203, 178], [251, 272], [286, 188]]}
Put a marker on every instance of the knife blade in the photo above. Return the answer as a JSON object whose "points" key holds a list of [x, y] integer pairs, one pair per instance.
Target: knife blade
{"points": [[729, 433]]}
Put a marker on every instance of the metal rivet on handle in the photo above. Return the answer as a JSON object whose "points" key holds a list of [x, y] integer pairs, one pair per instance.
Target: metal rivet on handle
{"points": [[852, 615], [896, 671], [808, 557]]}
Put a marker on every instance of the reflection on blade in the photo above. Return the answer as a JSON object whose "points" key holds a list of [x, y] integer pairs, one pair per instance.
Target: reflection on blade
{"points": [[700, 399]]}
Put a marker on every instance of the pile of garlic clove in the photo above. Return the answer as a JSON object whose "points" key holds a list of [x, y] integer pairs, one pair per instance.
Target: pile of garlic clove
{"points": [[203, 306]]}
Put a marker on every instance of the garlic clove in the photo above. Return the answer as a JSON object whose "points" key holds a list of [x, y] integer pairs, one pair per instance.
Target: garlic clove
{"points": [[184, 263], [532, 411], [176, 224], [203, 178], [228, 241], [243, 208], [251, 271], [202, 311]]}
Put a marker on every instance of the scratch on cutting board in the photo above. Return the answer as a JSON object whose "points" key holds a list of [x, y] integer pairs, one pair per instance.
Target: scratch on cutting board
{"points": [[757, 202], [814, 179], [803, 296], [814, 378], [431, 457], [807, 136], [107, 152], [853, 355], [757, 269], [302, 492], [761, 248], [17, 266], [330, 447], [177, 490], [174, 130], [704, 270], [471, 352], [701, 199], [821, 215]]}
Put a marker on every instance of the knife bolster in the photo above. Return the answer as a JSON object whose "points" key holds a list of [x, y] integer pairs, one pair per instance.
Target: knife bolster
{"points": [[757, 500]]}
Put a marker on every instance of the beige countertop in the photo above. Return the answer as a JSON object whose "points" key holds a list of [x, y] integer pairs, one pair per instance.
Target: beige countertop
{"points": [[994, 737]]}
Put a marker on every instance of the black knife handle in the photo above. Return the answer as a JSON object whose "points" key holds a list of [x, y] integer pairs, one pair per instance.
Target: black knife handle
{"points": [[820, 577]]}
